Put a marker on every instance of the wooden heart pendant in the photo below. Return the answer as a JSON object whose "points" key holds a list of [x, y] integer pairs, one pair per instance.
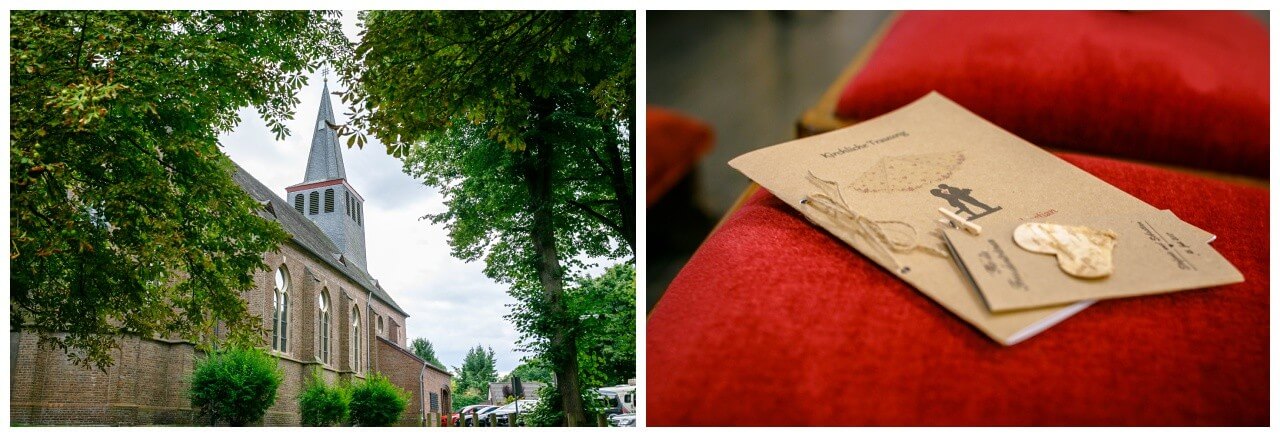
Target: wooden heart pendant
{"points": [[1082, 252]]}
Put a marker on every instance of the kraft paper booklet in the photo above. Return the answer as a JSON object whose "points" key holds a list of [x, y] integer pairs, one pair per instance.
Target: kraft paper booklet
{"points": [[1153, 253], [879, 185]]}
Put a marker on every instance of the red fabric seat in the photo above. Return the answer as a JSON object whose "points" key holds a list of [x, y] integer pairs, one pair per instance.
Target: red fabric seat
{"points": [[775, 322], [675, 143], [1183, 88]]}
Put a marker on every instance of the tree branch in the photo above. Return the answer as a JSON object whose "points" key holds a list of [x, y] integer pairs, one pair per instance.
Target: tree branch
{"points": [[599, 217]]}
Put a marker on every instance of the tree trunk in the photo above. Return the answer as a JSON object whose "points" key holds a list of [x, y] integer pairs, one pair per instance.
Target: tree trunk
{"points": [[622, 181], [538, 175]]}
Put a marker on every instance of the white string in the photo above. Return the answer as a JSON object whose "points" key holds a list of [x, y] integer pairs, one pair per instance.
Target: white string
{"points": [[873, 231]]}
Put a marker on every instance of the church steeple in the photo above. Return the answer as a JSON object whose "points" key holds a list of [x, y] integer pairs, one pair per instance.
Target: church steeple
{"points": [[325, 196], [325, 162]]}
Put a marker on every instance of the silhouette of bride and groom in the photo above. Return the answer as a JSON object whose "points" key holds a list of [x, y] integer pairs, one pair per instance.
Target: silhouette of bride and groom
{"points": [[960, 199]]}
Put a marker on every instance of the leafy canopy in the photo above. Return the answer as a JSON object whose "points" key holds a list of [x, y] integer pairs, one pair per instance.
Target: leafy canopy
{"points": [[533, 369], [477, 371], [425, 350], [524, 122], [489, 66], [467, 397], [124, 219], [606, 306]]}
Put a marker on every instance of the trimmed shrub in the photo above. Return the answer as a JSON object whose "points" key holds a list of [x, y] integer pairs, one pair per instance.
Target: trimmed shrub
{"points": [[236, 385], [376, 402], [323, 405]]}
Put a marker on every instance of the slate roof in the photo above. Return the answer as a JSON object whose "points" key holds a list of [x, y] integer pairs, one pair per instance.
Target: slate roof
{"points": [[309, 236], [325, 161]]}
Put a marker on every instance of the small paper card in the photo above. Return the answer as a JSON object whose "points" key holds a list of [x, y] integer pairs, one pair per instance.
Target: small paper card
{"points": [[1151, 252], [878, 187]]}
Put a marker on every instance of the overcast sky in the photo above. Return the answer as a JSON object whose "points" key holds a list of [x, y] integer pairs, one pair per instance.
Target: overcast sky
{"points": [[450, 302]]}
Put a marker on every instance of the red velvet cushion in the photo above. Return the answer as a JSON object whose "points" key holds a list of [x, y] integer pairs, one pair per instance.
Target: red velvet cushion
{"points": [[675, 143], [775, 322], [1184, 88]]}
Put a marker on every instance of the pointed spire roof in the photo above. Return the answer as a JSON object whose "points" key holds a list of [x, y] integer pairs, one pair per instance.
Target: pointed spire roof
{"points": [[325, 162]]}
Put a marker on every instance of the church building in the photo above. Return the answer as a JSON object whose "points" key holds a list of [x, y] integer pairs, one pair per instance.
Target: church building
{"points": [[325, 313]]}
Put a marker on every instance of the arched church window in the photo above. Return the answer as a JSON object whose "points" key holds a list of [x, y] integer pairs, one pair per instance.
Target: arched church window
{"points": [[328, 200], [355, 341], [280, 315], [379, 325], [315, 203], [297, 202], [324, 325]]}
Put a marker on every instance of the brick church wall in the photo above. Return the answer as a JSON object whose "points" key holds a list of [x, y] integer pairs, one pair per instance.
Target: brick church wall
{"points": [[149, 381], [147, 385], [403, 368]]}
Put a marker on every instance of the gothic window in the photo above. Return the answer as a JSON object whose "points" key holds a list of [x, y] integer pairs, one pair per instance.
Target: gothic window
{"points": [[297, 202], [280, 316], [379, 325], [315, 203], [355, 341], [324, 325], [328, 200]]}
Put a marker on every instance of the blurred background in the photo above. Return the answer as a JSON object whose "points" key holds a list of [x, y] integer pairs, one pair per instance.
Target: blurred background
{"points": [[748, 76]]}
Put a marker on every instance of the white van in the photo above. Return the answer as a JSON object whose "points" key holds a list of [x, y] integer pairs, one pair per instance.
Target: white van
{"points": [[619, 399]]}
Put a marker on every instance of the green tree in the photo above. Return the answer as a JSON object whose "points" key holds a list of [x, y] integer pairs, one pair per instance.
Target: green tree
{"points": [[477, 371], [423, 349], [463, 397], [532, 369], [237, 385], [525, 122], [606, 306], [124, 219]]}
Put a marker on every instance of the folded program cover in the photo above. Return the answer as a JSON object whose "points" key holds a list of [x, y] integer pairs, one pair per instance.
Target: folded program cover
{"points": [[879, 185]]}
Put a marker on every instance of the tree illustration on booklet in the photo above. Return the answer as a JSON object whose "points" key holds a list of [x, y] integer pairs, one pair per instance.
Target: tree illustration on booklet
{"points": [[908, 173]]}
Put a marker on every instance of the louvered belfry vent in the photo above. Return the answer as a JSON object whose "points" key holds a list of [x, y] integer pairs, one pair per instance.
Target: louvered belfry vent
{"points": [[325, 190]]}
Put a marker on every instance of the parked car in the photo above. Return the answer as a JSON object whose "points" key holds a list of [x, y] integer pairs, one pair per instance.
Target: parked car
{"points": [[463, 416], [501, 414], [623, 420], [482, 412]]}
